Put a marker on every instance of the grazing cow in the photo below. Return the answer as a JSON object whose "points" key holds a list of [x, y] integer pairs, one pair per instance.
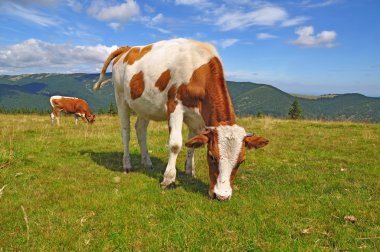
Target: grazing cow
{"points": [[180, 80], [71, 105]]}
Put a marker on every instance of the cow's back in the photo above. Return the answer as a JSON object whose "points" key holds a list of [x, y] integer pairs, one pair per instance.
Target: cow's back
{"points": [[145, 74], [67, 104]]}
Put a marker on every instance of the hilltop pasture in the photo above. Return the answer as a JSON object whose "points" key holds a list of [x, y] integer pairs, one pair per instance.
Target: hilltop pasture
{"points": [[62, 188]]}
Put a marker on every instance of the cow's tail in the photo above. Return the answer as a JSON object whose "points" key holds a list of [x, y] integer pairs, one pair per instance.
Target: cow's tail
{"points": [[101, 82], [53, 98]]}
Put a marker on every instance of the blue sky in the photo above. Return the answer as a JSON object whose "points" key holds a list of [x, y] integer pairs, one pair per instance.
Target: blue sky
{"points": [[299, 46]]}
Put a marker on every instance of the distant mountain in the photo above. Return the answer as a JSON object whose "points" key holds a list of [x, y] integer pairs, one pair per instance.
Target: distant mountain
{"points": [[33, 92]]}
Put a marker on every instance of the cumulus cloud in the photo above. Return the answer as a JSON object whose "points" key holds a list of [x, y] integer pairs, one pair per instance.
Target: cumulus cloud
{"points": [[306, 38], [101, 10], [265, 16], [263, 35], [33, 55]]}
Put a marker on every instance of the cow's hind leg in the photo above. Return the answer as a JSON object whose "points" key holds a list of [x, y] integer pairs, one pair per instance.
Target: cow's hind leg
{"points": [[175, 144], [124, 115], [141, 130]]}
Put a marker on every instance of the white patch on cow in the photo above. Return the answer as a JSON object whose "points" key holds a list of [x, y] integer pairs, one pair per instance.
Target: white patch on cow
{"points": [[230, 142], [180, 56], [57, 97]]}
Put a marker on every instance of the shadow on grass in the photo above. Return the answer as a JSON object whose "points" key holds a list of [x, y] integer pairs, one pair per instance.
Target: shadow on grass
{"points": [[113, 161]]}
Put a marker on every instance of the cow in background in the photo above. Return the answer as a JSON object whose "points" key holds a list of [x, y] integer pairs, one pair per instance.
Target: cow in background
{"points": [[71, 105]]}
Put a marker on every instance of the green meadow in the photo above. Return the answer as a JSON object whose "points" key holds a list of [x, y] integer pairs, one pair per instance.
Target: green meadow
{"points": [[316, 186]]}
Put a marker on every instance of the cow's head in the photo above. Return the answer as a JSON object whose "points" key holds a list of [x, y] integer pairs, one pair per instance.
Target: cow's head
{"points": [[225, 152], [90, 118]]}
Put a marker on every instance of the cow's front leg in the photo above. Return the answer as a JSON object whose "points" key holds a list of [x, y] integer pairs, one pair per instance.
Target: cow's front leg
{"points": [[56, 112], [52, 117], [175, 144], [141, 130], [76, 119]]}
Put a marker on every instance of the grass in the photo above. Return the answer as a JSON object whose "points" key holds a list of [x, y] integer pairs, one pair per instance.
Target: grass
{"points": [[62, 188]]}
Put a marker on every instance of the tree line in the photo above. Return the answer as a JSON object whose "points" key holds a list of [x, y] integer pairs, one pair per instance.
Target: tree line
{"points": [[295, 111], [111, 110]]}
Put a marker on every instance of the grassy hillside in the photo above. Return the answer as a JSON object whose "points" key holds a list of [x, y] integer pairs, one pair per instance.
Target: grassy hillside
{"points": [[33, 91], [61, 188]]}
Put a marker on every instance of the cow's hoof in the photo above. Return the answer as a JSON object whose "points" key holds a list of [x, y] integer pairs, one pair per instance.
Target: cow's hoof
{"points": [[168, 186]]}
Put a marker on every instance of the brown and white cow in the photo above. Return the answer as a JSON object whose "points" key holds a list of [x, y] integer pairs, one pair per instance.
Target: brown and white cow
{"points": [[180, 80], [71, 105]]}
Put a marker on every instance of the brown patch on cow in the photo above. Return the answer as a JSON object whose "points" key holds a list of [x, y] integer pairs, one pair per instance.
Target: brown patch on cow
{"points": [[172, 102], [137, 85], [213, 158], [117, 53], [163, 80], [207, 91], [136, 53], [123, 51], [175, 148]]}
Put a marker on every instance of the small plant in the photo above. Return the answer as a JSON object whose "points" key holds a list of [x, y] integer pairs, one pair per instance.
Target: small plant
{"points": [[112, 110], [101, 111], [295, 111]]}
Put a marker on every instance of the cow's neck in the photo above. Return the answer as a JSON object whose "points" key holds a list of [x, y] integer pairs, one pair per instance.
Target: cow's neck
{"points": [[216, 108]]}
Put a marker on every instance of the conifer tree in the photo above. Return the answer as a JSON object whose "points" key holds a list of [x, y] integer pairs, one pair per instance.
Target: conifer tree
{"points": [[295, 111]]}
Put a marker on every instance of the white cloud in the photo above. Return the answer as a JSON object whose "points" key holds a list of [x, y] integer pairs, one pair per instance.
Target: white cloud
{"points": [[29, 14], [266, 16], [224, 43], [149, 8], [75, 5], [294, 21], [228, 42], [191, 2], [241, 75], [101, 10], [157, 19], [31, 2], [33, 56], [306, 38], [263, 35], [318, 3], [115, 26]]}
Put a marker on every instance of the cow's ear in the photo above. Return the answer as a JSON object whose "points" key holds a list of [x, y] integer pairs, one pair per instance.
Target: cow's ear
{"points": [[255, 142], [198, 141]]}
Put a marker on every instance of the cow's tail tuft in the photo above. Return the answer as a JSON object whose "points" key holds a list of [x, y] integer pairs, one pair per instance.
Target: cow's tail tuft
{"points": [[101, 82]]}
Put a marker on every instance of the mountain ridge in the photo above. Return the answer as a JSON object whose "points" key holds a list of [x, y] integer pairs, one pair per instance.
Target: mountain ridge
{"points": [[32, 90]]}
